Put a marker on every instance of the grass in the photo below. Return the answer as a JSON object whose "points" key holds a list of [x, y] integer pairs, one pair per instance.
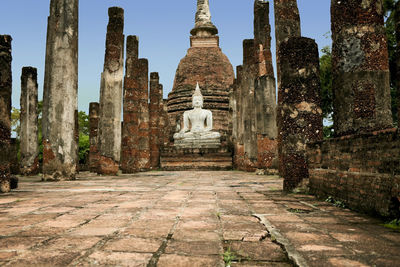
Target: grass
{"points": [[229, 256], [394, 225], [336, 203]]}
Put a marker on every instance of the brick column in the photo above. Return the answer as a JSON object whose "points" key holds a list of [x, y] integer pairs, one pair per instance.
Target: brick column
{"points": [[93, 136], [29, 146], [155, 112], [111, 95], [287, 24], [5, 111], [135, 140], [299, 112], [360, 67], [60, 91]]}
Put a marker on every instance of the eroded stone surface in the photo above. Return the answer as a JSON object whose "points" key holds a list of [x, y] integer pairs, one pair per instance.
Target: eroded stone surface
{"points": [[299, 112], [29, 146], [109, 134], [60, 91], [360, 67]]}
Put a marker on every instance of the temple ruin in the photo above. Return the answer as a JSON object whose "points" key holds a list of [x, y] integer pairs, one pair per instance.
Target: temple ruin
{"points": [[214, 120]]}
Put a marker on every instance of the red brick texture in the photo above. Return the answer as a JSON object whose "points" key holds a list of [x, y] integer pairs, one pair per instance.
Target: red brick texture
{"points": [[155, 115], [361, 170], [135, 154]]}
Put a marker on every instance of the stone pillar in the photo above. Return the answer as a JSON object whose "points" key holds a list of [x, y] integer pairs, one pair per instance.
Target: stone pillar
{"points": [[299, 112], [60, 92], [287, 24], [397, 21], [360, 67], [255, 98], [250, 70], [5, 111], [155, 112], [135, 141], [111, 95], [29, 146], [93, 136]]}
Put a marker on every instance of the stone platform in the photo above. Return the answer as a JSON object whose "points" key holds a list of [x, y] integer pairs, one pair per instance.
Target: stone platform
{"points": [[180, 219], [175, 158]]}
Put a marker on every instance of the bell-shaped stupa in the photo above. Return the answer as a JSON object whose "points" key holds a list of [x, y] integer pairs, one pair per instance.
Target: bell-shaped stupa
{"points": [[204, 63]]}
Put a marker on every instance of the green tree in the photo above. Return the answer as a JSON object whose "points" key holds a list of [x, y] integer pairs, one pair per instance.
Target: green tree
{"points": [[84, 145], [15, 125], [325, 63], [83, 120]]}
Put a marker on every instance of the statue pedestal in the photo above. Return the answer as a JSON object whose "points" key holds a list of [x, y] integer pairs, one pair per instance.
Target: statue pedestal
{"points": [[175, 158], [193, 143]]}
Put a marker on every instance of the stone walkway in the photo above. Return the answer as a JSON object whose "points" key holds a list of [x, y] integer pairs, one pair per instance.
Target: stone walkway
{"points": [[184, 219]]}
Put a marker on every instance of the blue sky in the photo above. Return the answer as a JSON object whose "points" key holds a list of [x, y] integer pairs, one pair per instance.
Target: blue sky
{"points": [[162, 26]]}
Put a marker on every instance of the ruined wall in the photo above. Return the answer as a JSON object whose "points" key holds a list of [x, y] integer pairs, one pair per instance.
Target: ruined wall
{"points": [[360, 67], [29, 146], [93, 136], [155, 113], [253, 98], [111, 95], [135, 139], [299, 113], [5, 111], [60, 91], [360, 170]]}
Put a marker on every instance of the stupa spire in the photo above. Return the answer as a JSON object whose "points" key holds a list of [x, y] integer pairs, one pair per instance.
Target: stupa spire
{"points": [[203, 24]]}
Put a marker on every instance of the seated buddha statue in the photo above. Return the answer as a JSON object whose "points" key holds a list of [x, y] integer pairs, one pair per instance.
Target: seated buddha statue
{"points": [[199, 119]]}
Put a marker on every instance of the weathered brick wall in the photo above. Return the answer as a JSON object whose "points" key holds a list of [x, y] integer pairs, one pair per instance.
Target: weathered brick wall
{"points": [[361, 170]]}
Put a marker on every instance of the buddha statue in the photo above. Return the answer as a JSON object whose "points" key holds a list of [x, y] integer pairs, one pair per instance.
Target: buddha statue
{"points": [[197, 124]]}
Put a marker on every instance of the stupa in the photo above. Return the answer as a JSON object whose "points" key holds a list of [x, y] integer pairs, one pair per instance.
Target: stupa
{"points": [[208, 68], [206, 64]]}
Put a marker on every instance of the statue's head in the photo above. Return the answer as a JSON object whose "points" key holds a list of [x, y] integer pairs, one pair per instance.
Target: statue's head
{"points": [[197, 98]]}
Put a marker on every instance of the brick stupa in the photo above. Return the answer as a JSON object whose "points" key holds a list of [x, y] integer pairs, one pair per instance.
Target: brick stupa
{"points": [[206, 64]]}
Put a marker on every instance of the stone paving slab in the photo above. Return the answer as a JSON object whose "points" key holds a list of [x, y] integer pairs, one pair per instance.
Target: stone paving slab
{"points": [[184, 219]]}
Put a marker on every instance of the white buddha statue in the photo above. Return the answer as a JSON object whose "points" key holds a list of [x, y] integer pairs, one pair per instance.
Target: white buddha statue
{"points": [[200, 120]]}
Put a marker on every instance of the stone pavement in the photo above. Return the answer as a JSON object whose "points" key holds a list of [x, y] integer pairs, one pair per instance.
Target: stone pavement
{"points": [[184, 219]]}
